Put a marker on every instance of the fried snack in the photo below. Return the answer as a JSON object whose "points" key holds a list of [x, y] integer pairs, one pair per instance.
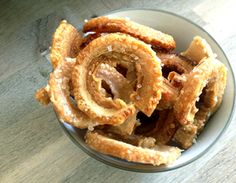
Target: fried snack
{"points": [[208, 103], [131, 106], [197, 79], [176, 80], [88, 38], [106, 84], [66, 42], [59, 93], [185, 135], [126, 128], [150, 36], [165, 127], [142, 56], [156, 155], [169, 95], [42, 97], [197, 50], [174, 62], [174, 68]]}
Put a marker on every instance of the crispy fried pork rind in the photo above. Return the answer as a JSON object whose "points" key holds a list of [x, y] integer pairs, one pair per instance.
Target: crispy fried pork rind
{"points": [[60, 96], [150, 36], [65, 43], [198, 49], [115, 47], [207, 102], [121, 70], [42, 97], [156, 155]]}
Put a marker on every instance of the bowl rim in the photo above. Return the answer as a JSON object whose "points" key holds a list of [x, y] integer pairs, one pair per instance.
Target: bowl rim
{"points": [[133, 169]]}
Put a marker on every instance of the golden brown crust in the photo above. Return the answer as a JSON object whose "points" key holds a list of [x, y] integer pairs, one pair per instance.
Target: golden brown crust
{"points": [[124, 129], [114, 73], [156, 156], [60, 96], [197, 79], [164, 134], [65, 43], [144, 98], [175, 62], [186, 135], [209, 102], [41, 96], [169, 95], [144, 33], [197, 50]]}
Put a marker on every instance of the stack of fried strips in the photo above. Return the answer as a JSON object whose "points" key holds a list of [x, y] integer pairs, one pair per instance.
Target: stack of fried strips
{"points": [[123, 83]]}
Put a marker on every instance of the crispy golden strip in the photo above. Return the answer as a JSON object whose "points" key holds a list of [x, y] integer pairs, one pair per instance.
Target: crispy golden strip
{"points": [[208, 104], [169, 95], [148, 35], [144, 98], [105, 73], [176, 80], [165, 127], [197, 79], [65, 43], [175, 62], [185, 135], [126, 128], [156, 156], [59, 93], [197, 50], [41, 96], [167, 130], [174, 68]]}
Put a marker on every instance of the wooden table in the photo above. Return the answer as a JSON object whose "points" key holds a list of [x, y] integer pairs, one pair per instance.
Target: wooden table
{"points": [[33, 147]]}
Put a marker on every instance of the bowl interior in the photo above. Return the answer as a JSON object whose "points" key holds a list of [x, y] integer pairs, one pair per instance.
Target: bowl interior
{"points": [[183, 32]]}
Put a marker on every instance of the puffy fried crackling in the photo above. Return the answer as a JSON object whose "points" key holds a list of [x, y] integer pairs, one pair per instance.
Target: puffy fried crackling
{"points": [[156, 155], [59, 93], [41, 96], [151, 36], [66, 42], [197, 50], [142, 56], [209, 102], [185, 108]]}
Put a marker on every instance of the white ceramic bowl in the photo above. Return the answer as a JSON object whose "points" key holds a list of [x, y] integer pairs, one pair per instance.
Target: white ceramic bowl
{"points": [[183, 32]]}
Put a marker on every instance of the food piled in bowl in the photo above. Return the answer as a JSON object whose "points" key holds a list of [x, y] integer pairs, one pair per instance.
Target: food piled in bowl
{"points": [[138, 99]]}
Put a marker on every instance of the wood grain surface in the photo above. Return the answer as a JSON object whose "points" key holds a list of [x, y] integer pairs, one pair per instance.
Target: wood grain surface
{"points": [[33, 147]]}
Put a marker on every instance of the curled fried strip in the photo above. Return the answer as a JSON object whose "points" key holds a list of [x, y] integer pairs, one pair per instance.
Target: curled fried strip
{"points": [[65, 43], [198, 49], [105, 75], [156, 155], [197, 79], [60, 96], [42, 96], [174, 68], [165, 127], [145, 98], [175, 62], [185, 135], [169, 95], [144, 33], [124, 129], [164, 134], [209, 102]]}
